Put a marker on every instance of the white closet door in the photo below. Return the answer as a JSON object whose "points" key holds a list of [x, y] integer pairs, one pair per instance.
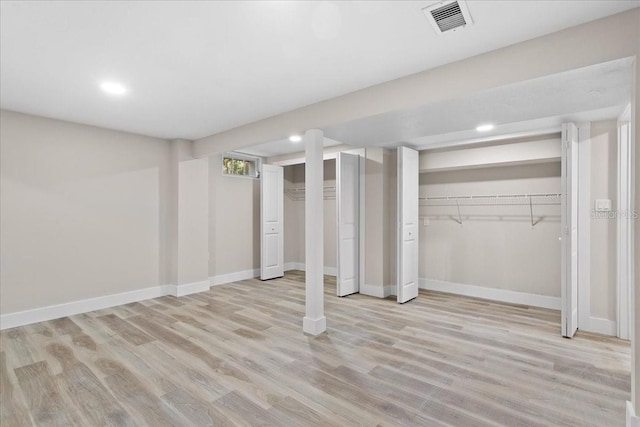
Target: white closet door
{"points": [[569, 214], [407, 248], [271, 222], [348, 207]]}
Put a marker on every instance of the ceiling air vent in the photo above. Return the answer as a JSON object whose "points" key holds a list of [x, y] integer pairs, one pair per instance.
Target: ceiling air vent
{"points": [[448, 15]]}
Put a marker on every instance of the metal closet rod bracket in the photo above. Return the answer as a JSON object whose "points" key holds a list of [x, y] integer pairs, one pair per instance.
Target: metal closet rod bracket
{"points": [[495, 200]]}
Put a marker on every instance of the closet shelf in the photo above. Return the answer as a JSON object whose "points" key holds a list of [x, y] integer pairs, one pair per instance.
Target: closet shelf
{"points": [[530, 200], [494, 200], [297, 193]]}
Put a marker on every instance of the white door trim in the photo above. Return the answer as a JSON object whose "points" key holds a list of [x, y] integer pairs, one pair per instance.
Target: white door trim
{"points": [[362, 227], [584, 225], [624, 224]]}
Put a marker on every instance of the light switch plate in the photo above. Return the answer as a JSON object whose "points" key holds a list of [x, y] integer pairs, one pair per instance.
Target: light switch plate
{"points": [[603, 205]]}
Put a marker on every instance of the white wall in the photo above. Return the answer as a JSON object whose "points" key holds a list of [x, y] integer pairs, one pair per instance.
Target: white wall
{"points": [[234, 221], [604, 140], [533, 149], [496, 246], [193, 222], [83, 212]]}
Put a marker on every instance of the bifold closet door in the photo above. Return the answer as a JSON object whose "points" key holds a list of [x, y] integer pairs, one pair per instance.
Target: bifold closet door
{"points": [[569, 215], [271, 222], [348, 209], [407, 247]]}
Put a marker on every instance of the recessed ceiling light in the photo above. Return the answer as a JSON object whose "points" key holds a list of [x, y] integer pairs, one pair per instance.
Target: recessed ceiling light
{"points": [[484, 128], [113, 88], [295, 138]]}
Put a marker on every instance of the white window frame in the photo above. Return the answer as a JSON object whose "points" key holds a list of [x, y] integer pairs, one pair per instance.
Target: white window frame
{"points": [[254, 172]]}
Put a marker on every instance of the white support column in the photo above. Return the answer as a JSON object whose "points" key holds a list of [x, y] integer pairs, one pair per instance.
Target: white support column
{"points": [[314, 322]]}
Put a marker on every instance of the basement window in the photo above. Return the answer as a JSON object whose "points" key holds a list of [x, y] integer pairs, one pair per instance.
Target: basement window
{"points": [[235, 164]]}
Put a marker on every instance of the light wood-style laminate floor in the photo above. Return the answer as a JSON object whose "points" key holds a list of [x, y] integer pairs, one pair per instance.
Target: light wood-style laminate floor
{"points": [[236, 355]]}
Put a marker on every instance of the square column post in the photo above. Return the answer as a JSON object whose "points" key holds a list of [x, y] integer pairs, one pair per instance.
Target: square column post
{"points": [[314, 322], [187, 242]]}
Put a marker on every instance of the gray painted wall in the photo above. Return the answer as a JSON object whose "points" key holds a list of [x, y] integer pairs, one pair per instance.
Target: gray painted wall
{"points": [[83, 212]]}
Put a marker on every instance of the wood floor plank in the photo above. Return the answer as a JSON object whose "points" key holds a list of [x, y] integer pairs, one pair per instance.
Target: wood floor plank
{"points": [[125, 329], [13, 411], [43, 396], [149, 313], [18, 352], [65, 326], [95, 402], [292, 412], [244, 411], [144, 407], [195, 410], [236, 355], [191, 378], [175, 339], [357, 396]]}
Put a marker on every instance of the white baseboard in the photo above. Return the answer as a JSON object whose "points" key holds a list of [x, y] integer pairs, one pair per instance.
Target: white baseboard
{"points": [[51, 312], [314, 326], [221, 279], [600, 326], [372, 290], [294, 266], [632, 419], [377, 290], [187, 289], [494, 294], [389, 290], [328, 271]]}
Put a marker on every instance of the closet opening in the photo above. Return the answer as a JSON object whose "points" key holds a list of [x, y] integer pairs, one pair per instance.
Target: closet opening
{"points": [[343, 218], [490, 223], [294, 219]]}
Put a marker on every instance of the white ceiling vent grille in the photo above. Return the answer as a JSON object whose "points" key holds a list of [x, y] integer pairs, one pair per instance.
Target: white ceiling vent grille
{"points": [[448, 15]]}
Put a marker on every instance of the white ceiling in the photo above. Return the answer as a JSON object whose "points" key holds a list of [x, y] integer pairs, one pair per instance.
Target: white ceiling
{"points": [[198, 68], [526, 108], [591, 93]]}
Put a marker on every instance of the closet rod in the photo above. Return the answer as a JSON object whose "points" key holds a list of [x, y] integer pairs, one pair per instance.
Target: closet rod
{"points": [[297, 193], [302, 189], [538, 199], [496, 199]]}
